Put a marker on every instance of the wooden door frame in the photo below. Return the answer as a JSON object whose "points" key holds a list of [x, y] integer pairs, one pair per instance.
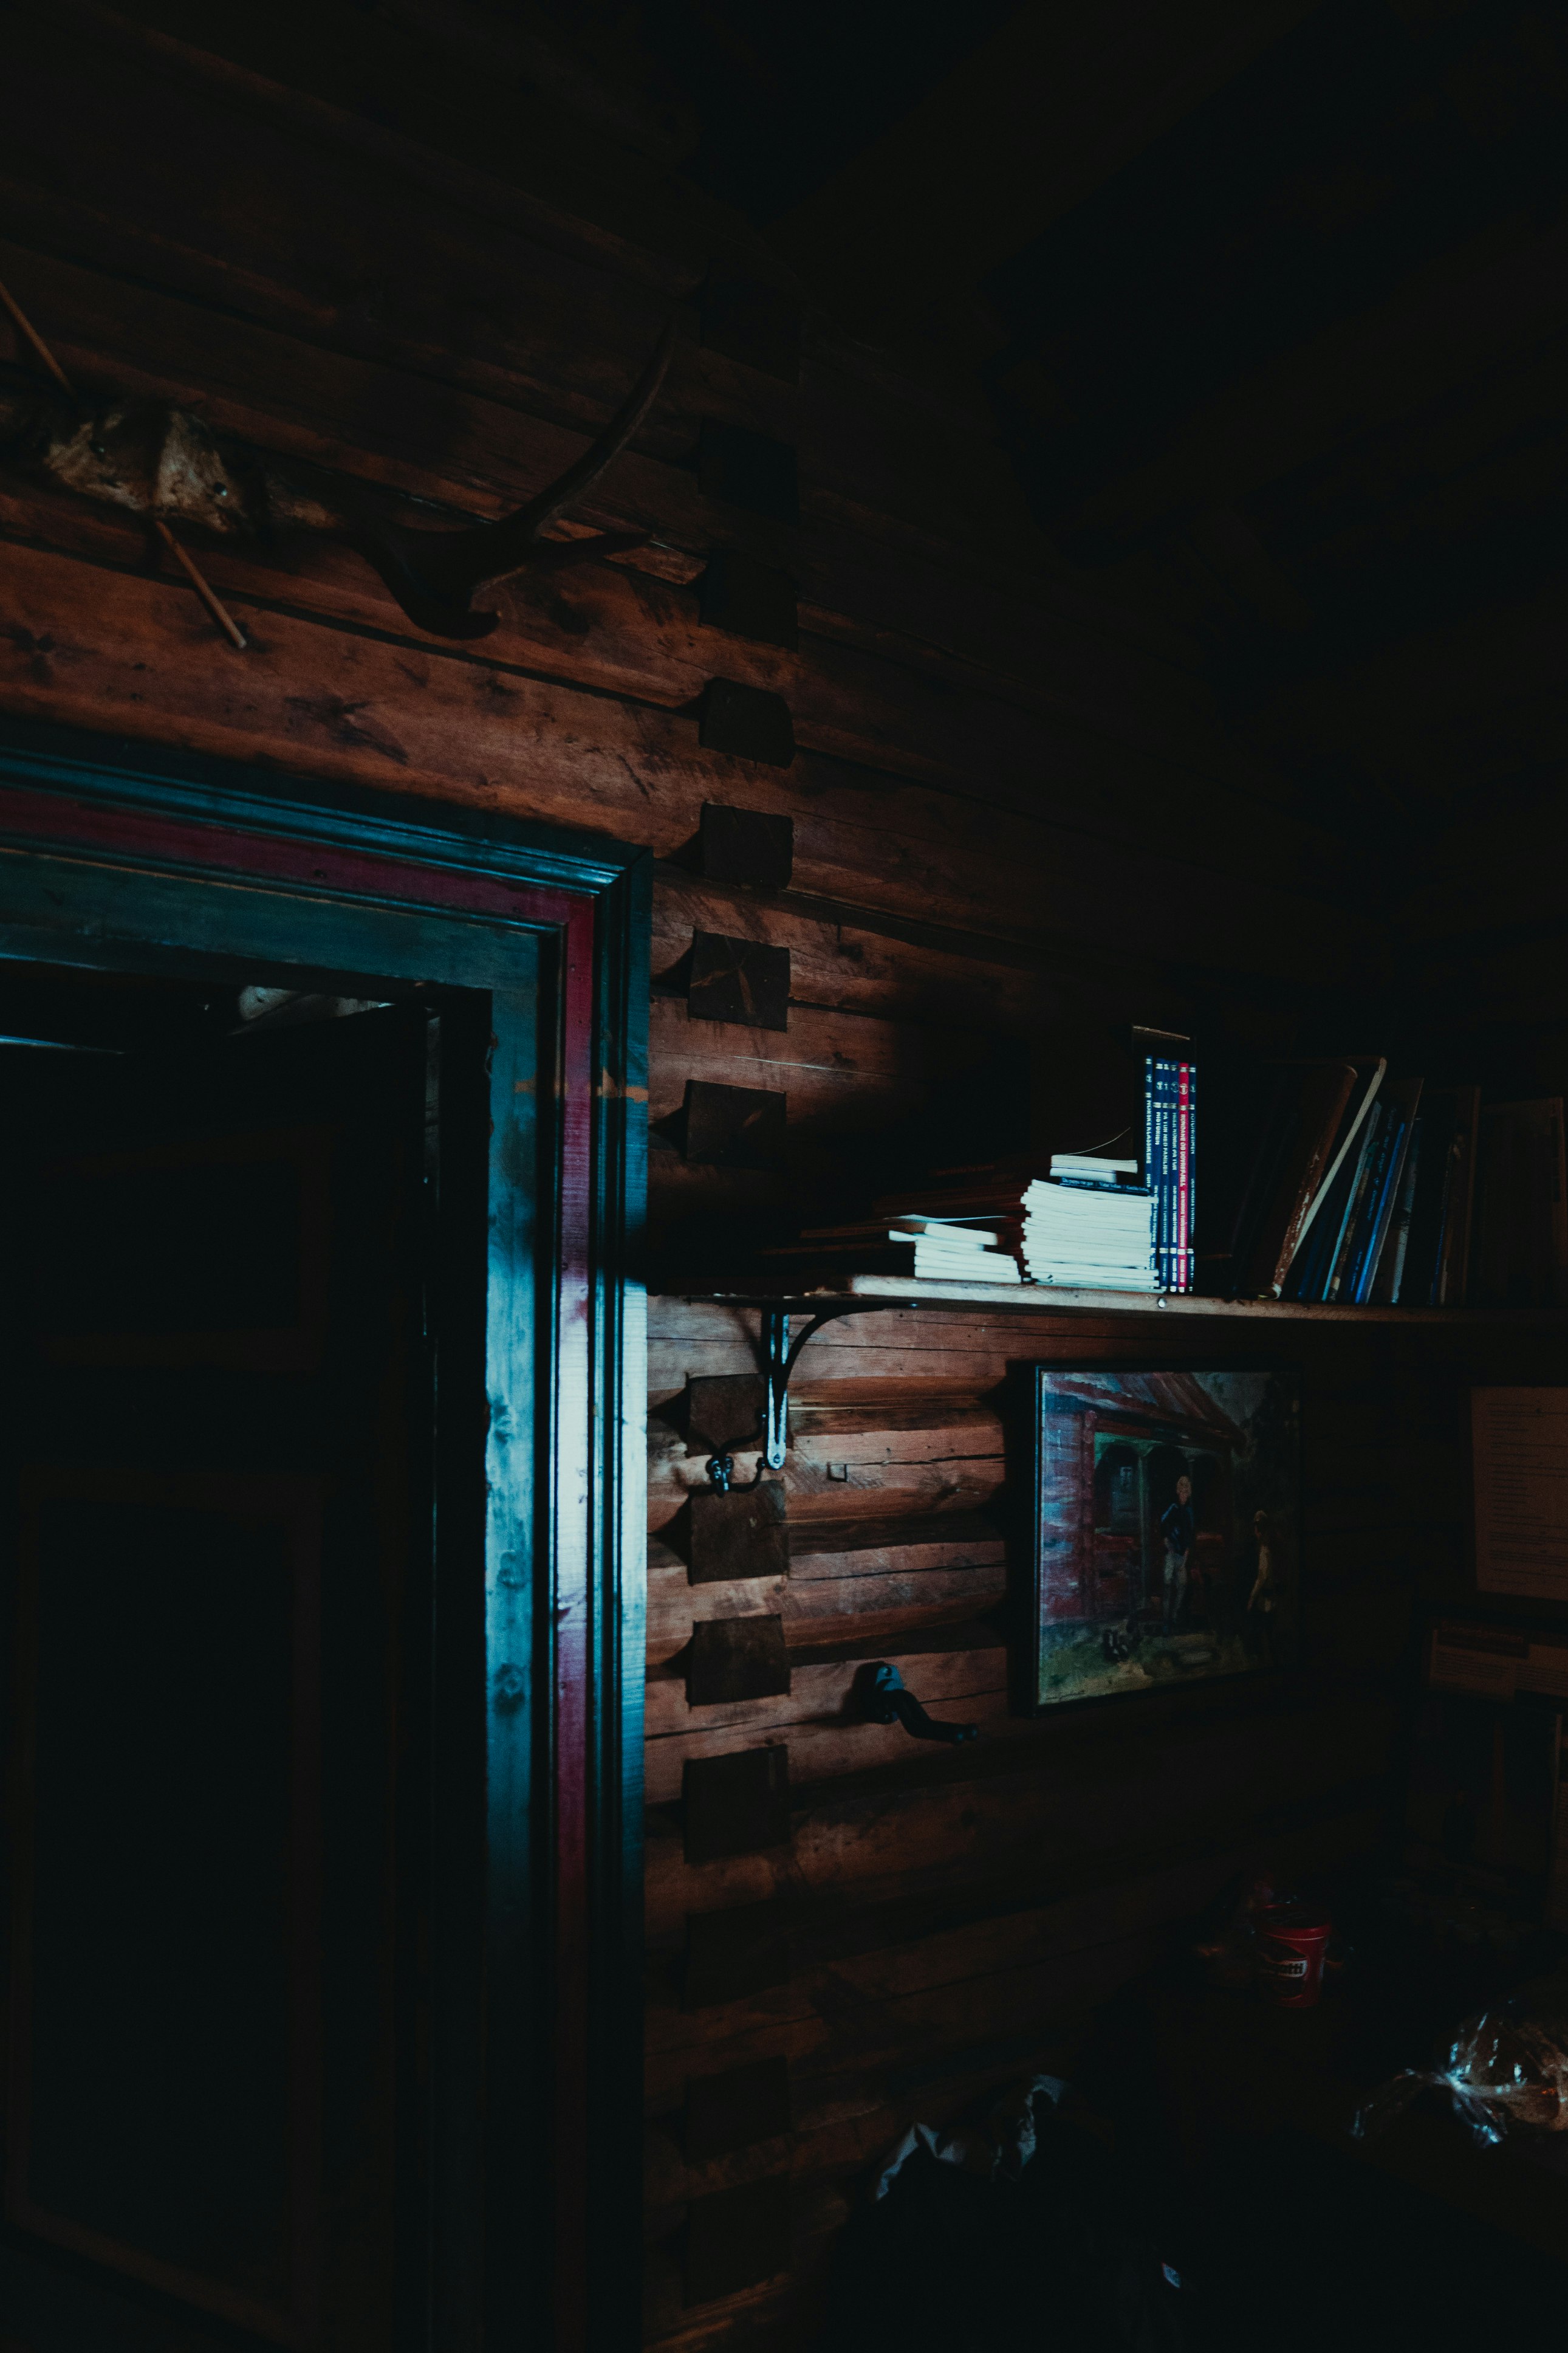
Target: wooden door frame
{"points": [[111, 849]]}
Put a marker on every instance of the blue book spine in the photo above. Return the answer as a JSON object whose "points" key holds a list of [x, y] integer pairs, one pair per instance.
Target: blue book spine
{"points": [[1359, 1276], [1372, 1248], [1151, 1163], [1166, 1262], [1182, 1255], [1191, 1282], [1167, 1158], [1162, 1206], [1333, 1280]]}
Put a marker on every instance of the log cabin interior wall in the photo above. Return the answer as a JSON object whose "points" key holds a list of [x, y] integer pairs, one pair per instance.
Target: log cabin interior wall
{"points": [[1015, 813]]}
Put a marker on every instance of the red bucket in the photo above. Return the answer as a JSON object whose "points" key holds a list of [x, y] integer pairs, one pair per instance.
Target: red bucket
{"points": [[1287, 1959]]}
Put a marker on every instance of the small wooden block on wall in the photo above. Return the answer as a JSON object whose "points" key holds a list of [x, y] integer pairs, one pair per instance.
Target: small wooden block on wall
{"points": [[736, 2239], [732, 1954], [742, 1534], [752, 323], [736, 2109], [748, 599], [737, 1658], [746, 846], [734, 1127], [747, 470], [722, 1410], [737, 1804], [746, 722], [745, 981]]}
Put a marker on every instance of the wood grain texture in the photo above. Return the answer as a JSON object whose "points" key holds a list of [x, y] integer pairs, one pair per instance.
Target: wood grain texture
{"points": [[83, 637], [1006, 777], [949, 1920]]}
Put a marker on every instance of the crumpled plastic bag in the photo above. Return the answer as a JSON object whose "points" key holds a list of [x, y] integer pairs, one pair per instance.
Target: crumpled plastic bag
{"points": [[1503, 2068], [1003, 2149]]}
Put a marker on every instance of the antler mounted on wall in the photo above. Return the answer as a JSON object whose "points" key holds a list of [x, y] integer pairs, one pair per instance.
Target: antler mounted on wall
{"points": [[161, 462]]}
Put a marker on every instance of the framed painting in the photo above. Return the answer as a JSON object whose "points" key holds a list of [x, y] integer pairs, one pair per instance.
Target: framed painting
{"points": [[1166, 1529]]}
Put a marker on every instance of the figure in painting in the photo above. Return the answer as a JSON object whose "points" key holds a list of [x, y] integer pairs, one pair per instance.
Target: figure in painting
{"points": [[1166, 1527], [1179, 1529], [1262, 1594]]}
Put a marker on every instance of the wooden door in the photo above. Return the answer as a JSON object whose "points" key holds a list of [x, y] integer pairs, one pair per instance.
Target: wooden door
{"points": [[217, 1507]]}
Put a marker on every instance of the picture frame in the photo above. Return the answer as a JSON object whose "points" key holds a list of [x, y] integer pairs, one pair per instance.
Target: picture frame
{"points": [[1165, 1529]]}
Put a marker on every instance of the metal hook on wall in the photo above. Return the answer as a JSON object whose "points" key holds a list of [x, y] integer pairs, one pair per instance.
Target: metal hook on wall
{"points": [[780, 1356], [880, 1698]]}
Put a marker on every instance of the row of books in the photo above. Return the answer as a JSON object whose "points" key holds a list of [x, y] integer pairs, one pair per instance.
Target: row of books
{"points": [[1363, 1189], [1333, 1182], [1089, 1224], [1171, 1165], [1392, 1226]]}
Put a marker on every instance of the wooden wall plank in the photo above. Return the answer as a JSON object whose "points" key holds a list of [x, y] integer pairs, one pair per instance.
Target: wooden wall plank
{"points": [[989, 754], [908, 1882], [139, 654], [840, 1838], [377, 267]]}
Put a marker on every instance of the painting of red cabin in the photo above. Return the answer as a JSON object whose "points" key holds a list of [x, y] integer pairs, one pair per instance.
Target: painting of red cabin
{"points": [[1166, 1529]]}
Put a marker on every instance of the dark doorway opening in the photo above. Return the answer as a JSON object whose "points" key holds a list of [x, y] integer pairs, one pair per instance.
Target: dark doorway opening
{"points": [[217, 1441], [318, 1353]]}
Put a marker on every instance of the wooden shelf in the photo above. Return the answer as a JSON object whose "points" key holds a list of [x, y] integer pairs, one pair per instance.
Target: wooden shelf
{"points": [[847, 1293]]}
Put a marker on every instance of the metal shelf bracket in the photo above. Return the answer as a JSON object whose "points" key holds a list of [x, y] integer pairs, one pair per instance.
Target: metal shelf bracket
{"points": [[780, 1354]]}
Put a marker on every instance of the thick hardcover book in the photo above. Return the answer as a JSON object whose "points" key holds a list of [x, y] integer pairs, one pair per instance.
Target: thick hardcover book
{"points": [[1353, 1224], [1280, 1131], [1185, 1092], [1166, 1097], [1311, 1104], [1402, 1097], [1171, 1180], [1418, 1279], [1188, 1175], [1395, 1250], [1161, 1161], [1151, 1152], [1321, 1224], [1191, 1175], [1310, 1269], [1379, 1210]]}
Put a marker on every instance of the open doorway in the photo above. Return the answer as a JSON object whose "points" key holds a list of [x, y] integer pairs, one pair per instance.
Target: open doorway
{"points": [[316, 1328], [217, 1428]]}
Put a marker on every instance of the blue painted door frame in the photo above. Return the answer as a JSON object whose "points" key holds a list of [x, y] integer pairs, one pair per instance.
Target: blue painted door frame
{"points": [[535, 942]]}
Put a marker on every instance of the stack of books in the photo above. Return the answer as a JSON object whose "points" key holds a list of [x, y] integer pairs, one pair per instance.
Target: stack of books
{"points": [[929, 1247], [1090, 1224], [949, 1252]]}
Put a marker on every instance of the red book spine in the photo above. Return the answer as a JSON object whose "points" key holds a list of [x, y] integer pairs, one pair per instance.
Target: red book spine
{"points": [[1182, 1237]]}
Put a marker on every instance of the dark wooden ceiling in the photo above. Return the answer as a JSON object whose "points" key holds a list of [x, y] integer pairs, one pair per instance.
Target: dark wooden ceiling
{"points": [[1271, 305]]}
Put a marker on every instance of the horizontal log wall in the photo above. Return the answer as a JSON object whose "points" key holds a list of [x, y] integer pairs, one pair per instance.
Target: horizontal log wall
{"points": [[951, 1917], [1013, 813]]}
